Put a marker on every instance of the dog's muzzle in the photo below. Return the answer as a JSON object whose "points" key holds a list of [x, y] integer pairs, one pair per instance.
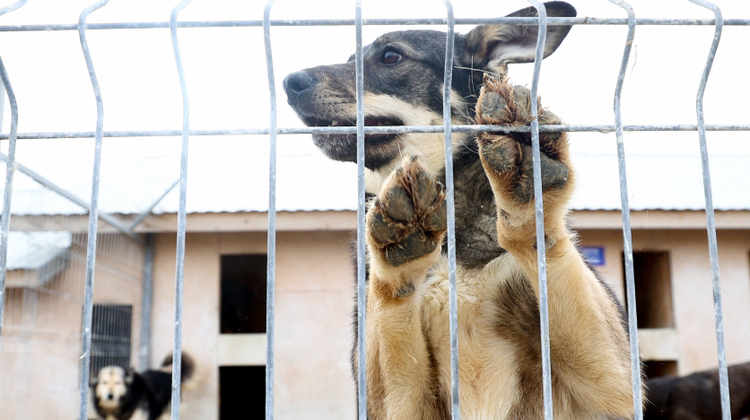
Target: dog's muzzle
{"points": [[296, 84]]}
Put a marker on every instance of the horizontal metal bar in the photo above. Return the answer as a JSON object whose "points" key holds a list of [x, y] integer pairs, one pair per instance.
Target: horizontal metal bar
{"points": [[373, 22], [601, 128], [111, 220]]}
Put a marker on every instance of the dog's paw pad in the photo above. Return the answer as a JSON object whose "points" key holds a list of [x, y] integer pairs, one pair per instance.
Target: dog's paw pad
{"points": [[398, 204], [412, 246], [554, 175], [501, 154], [408, 218]]}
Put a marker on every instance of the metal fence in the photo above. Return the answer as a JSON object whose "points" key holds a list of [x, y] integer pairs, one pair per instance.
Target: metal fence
{"points": [[82, 27]]}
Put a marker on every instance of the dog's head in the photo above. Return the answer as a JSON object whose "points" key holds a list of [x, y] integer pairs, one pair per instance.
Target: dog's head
{"points": [[403, 85], [110, 386]]}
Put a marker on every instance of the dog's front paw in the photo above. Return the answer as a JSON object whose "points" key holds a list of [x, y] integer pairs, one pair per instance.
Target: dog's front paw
{"points": [[508, 158], [408, 218]]}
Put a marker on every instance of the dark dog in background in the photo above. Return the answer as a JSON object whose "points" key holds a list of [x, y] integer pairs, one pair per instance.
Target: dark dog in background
{"points": [[127, 395], [696, 396], [408, 353]]}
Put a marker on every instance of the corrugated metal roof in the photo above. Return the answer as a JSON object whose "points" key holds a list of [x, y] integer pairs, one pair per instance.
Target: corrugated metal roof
{"points": [[308, 182], [33, 250], [661, 182]]}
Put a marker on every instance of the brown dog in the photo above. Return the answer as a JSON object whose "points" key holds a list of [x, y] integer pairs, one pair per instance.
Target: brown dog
{"points": [[408, 355]]}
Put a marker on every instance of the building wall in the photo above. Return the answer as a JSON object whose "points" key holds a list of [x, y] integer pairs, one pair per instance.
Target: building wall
{"points": [[313, 304], [41, 335], [314, 295], [691, 290]]}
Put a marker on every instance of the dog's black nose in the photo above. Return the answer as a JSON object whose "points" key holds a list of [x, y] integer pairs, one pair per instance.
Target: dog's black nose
{"points": [[296, 84]]}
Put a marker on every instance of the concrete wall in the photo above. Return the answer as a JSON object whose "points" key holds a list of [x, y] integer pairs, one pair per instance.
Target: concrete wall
{"points": [[313, 305], [692, 297], [41, 336], [314, 298]]}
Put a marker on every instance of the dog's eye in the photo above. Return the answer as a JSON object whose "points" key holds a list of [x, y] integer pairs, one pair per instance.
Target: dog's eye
{"points": [[391, 57]]}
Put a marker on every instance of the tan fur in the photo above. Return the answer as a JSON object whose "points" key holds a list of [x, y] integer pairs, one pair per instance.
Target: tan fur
{"points": [[407, 326], [588, 346]]}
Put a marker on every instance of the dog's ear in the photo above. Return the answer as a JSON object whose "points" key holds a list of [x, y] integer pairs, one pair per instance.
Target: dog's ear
{"points": [[129, 376], [94, 379], [492, 47]]}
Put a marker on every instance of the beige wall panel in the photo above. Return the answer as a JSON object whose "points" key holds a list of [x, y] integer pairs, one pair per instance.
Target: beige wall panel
{"points": [[313, 343], [611, 272], [315, 261], [734, 265], [200, 327]]}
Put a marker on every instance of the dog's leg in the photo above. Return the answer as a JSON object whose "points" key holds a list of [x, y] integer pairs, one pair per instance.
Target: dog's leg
{"points": [[589, 349], [405, 228]]}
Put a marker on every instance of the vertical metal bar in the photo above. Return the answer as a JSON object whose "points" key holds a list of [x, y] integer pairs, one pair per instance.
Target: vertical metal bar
{"points": [[181, 217], [539, 210], [88, 301], [2, 104], [713, 247], [10, 167], [449, 189], [144, 355], [271, 250], [361, 267], [635, 358]]}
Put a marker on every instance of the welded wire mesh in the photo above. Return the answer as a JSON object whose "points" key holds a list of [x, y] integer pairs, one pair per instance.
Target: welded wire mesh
{"points": [[45, 276], [97, 245]]}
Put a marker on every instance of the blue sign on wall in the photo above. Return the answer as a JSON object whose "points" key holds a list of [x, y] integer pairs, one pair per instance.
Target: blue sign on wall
{"points": [[593, 254]]}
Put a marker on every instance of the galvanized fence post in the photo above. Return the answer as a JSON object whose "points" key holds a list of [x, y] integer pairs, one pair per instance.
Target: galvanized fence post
{"points": [[93, 215], [181, 217], [361, 264], [451, 211], [713, 247], [541, 247], [271, 247], [10, 168], [627, 236]]}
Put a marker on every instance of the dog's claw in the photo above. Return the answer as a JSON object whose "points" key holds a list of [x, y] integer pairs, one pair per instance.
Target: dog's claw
{"points": [[407, 220]]}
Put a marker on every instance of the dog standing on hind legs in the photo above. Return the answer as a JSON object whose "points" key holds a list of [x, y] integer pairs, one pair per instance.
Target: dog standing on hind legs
{"points": [[408, 353]]}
